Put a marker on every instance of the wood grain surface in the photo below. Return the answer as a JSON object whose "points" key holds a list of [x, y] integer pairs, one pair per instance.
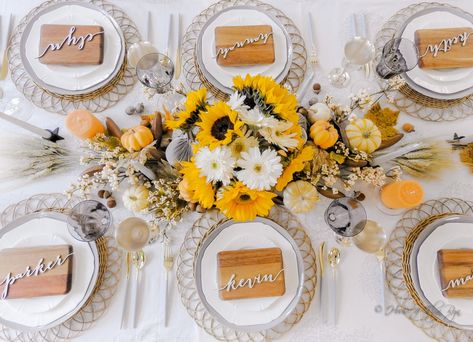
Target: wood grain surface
{"points": [[246, 264], [458, 56], [56, 281], [455, 264], [251, 54], [92, 53]]}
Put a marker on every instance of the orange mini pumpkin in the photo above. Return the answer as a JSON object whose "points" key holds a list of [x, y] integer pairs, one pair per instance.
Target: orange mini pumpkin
{"points": [[323, 134], [136, 138]]}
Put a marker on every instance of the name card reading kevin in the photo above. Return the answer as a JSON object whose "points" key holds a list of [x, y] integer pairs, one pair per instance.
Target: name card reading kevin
{"points": [[251, 273], [244, 45], [445, 48], [69, 45], [456, 272], [35, 271]]}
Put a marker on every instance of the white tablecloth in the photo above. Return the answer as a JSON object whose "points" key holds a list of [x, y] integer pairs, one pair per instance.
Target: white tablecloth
{"points": [[359, 287]]}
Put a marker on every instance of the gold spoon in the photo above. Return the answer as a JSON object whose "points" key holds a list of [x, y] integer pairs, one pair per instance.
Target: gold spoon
{"points": [[373, 240], [139, 259], [334, 260]]}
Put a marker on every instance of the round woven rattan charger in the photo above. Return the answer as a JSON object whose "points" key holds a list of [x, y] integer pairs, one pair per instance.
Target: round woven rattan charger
{"points": [[409, 100], [105, 288], [398, 274], [187, 285], [194, 76], [96, 101]]}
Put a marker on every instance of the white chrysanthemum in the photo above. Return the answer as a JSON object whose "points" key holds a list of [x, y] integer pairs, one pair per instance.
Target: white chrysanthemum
{"points": [[216, 165], [252, 117], [242, 144], [260, 171], [275, 134], [236, 101]]}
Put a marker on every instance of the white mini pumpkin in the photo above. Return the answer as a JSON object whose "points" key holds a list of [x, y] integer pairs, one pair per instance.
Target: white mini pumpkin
{"points": [[363, 135], [135, 198], [319, 111], [300, 196]]}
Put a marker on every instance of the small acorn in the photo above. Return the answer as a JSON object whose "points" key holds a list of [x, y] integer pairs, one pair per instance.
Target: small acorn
{"points": [[316, 88], [192, 206], [101, 193], [111, 202], [130, 110], [360, 196], [140, 107], [408, 127], [313, 101]]}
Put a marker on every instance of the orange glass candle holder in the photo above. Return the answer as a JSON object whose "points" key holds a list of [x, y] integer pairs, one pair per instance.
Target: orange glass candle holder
{"points": [[83, 124], [402, 194]]}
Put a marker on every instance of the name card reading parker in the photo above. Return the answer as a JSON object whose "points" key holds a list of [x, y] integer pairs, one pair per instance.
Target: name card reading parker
{"points": [[71, 44], [35, 271], [251, 273]]}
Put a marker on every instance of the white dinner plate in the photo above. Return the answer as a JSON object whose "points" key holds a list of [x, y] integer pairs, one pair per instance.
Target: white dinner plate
{"points": [[72, 79], [222, 77], [454, 232], [253, 314], [46, 229], [439, 83]]}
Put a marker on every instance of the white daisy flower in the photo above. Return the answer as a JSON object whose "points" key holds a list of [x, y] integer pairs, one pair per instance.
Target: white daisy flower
{"points": [[216, 165], [260, 171], [242, 144], [275, 134], [252, 117], [236, 101]]}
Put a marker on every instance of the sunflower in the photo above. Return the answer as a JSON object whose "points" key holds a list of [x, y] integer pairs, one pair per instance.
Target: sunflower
{"points": [[239, 83], [218, 126], [243, 204], [197, 186], [296, 165], [179, 121], [195, 102]]}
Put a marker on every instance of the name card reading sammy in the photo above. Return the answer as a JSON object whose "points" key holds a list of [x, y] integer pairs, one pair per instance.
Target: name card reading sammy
{"points": [[251, 273], [35, 271], [71, 44], [244, 45]]}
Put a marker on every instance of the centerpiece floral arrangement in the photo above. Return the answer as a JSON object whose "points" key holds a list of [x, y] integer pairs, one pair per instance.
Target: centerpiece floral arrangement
{"points": [[244, 155]]}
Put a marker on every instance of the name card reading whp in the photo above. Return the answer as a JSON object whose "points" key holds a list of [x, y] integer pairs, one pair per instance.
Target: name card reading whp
{"points": [[35, 271], [71, 44], [251, 273]]}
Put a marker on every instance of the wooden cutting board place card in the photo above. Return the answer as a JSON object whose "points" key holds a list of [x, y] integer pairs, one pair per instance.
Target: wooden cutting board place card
{"points": [[251, 273], [244, 45], [456, 272], [35, 271], [445, 47], [71, 44]]}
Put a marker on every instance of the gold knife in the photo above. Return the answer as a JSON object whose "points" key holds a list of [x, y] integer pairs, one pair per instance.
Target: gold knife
{"points": [[178, 49], [4, 70], [322, 270]]}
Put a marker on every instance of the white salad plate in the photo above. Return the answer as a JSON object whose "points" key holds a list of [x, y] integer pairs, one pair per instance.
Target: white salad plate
{"points": [[252, 314]]}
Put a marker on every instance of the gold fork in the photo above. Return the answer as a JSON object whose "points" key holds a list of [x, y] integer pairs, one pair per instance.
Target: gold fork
{"points": [[168, 263]]}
